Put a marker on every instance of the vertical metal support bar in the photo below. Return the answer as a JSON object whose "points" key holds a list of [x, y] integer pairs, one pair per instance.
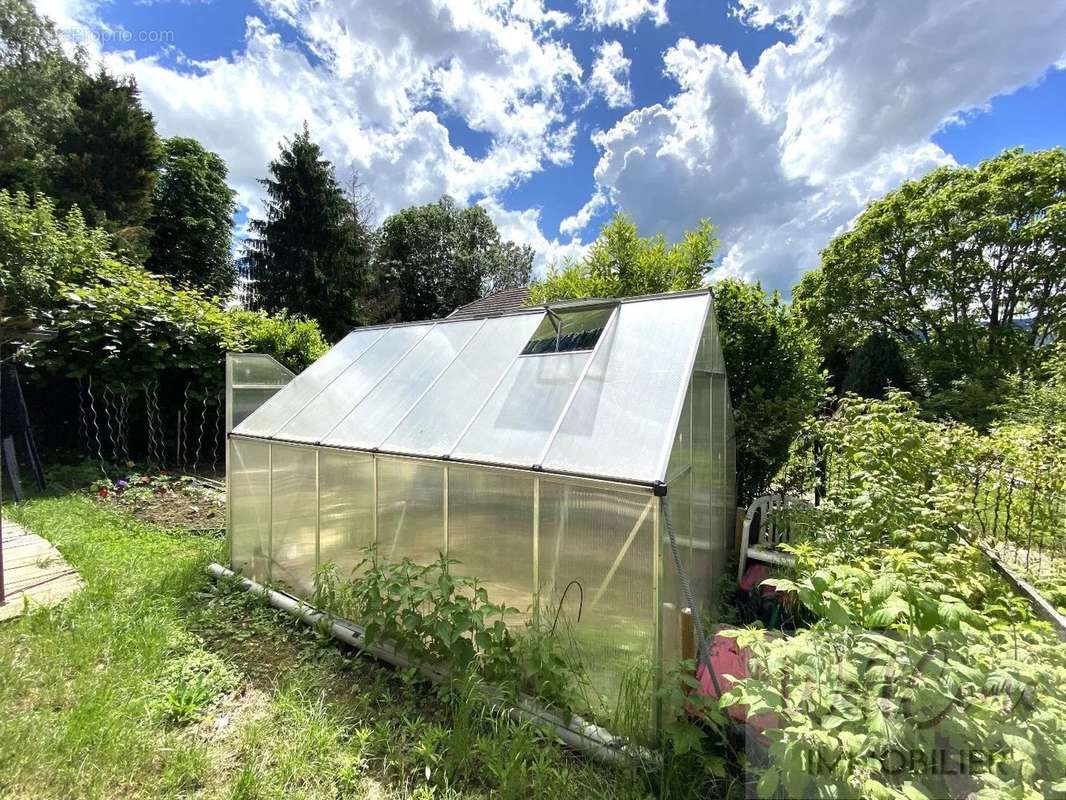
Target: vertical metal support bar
{"points": [[657, 584], [445, 492], [536, 551], [691, 477], [270, 514], [227, 444], [374, 491], [318, 516]]}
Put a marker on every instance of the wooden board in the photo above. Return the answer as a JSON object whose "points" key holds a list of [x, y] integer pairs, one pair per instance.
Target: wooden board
{"points": [[34, 572]]}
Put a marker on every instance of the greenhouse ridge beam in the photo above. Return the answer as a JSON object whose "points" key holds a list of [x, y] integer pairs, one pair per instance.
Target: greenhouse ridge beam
{"points": [[619, 483]]}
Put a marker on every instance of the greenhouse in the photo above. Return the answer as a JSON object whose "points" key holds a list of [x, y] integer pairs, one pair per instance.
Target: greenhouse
{"points": [[537, 448]]}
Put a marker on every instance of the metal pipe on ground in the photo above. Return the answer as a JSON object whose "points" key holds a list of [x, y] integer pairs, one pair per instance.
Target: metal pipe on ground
{"points": [[581, 735]]}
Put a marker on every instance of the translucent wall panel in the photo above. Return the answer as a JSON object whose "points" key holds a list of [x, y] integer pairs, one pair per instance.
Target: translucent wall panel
{"points": [[345, 508], [602, 539], [435, 423], [620, 423], [249, 508], [377, 414], [294, 516], [410, 510], [490, 531], [515, 424], [318, 417], [252, 379], [283, 405], [679, 494], [706, 521]]}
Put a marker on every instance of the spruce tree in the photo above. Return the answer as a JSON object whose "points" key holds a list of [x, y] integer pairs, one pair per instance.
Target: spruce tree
{"points": [[192, 218], [309, 255]]}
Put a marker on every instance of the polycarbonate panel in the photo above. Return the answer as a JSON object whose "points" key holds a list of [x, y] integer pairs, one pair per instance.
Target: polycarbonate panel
{"points": [[514, 425], [309, 383], [251, 380], [245, 402], [345, 508], [257, 369], [435, 423], [318, 417], [619, 425], [679, 494], [410, 510], [490, 532], [601, 540], [387, 403], [706, 519], [293, 512], [722, 476], [249, 508]]}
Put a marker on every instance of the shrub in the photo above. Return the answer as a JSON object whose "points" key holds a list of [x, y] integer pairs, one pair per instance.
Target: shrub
{"points": [[38, 250], [294, 341]]}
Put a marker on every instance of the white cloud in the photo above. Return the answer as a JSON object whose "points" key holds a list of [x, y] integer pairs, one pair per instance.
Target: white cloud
{"points": [[622, 13], [524, 227], [610, 75], [784, 155], [579, 221], [365, 91]]}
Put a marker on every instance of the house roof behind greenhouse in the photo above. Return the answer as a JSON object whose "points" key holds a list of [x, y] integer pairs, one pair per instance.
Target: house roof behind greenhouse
{"points": [[591, 388]]}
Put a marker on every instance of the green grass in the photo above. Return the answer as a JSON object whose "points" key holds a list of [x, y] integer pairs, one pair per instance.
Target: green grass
{"points": [[153, 682]]}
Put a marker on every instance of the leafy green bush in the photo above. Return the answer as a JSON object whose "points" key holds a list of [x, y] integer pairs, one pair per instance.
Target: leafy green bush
{"points": [[774, 380], [38, 250], [919, 646], [294, 341], [115, 320], [436, 617]]}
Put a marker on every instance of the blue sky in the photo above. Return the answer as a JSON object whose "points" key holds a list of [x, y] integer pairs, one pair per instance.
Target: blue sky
{"points": [[778, 119]]}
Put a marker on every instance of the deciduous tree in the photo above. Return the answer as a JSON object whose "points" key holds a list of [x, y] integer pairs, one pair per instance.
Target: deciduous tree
{"points": [[965, 269], [434, 258], [192, 219], [38, 83], [621, 263]]}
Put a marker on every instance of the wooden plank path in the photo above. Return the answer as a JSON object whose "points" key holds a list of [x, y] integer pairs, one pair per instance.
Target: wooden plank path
{"points": [[34, 571]]}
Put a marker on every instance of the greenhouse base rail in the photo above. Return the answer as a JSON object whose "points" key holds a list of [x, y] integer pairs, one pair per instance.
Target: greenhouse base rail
{"points": [[579, 734]]}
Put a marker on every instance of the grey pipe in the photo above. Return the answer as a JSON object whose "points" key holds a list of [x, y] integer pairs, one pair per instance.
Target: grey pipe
{"points": [[579, 734]]}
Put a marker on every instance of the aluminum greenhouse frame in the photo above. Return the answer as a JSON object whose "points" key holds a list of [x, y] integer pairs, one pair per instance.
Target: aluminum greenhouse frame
{"points": [[536, 447]]}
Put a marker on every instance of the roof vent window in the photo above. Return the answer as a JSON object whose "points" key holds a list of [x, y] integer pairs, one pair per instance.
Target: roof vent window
{"points": [[568, 331]]}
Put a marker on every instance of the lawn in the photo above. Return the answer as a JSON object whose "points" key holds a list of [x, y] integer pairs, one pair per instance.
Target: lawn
{"points": [[154, 682]]}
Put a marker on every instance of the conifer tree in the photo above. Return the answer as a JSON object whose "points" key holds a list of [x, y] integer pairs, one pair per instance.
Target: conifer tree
{"points": [[310, 254]]}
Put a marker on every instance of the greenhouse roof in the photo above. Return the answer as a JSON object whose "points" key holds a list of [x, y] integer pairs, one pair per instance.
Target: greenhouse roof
{"points": [[592, 388]]}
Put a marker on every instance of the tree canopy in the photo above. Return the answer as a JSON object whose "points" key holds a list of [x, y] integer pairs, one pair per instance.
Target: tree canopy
{"points": [[310, 254], [431, 259], [109, 158], [192, 219], [37, 87], [965, 268], [621, 263], [775, 383]]}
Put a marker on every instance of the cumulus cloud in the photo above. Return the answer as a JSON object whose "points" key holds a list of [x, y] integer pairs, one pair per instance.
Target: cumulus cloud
{"points": [[610, 75], [524, 226], [579, 221], [364, 76], [784, 155], [622, 13]]}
